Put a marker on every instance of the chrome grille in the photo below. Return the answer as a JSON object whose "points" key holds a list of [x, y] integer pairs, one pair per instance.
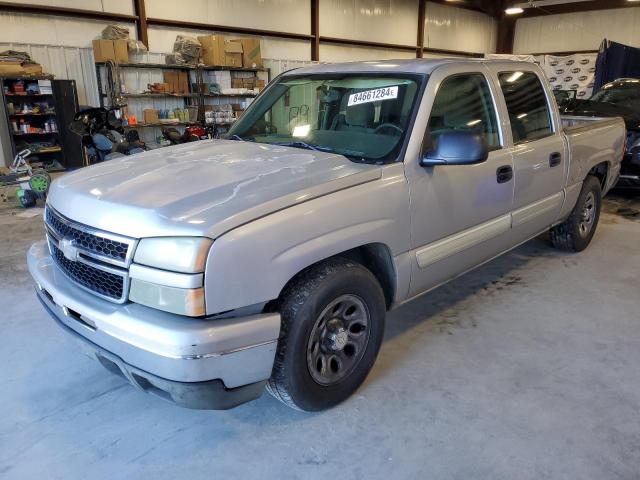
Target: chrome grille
{"points": [[104, 283], [86, 238], [97, 261]]}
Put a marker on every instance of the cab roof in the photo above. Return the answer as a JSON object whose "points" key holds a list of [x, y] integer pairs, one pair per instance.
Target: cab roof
{"points": [[418, 65]]}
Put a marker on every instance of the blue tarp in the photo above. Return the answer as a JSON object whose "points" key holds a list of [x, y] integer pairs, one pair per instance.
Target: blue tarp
{"points": [[614, 61]]}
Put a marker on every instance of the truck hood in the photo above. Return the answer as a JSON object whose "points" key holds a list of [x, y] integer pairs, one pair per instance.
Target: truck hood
{"points": [[200, 189]]}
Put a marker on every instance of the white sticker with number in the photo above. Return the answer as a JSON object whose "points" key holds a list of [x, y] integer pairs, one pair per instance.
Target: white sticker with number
{"points": [[386, 93]]}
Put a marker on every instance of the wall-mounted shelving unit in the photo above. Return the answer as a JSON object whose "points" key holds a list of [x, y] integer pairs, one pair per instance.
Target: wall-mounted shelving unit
{"points": [[134, 99], [43, 131]]}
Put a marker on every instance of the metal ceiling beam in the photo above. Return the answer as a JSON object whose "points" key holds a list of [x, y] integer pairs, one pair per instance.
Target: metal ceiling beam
{"points": [[574, 7], [422, 7], [315, 30], [488, 7], [65, 12], [163, 22], [141, 24]]}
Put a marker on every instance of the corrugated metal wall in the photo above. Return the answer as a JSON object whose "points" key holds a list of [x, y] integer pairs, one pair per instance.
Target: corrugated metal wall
{"points": [[65, 62], [577, 31], [452, 28]]}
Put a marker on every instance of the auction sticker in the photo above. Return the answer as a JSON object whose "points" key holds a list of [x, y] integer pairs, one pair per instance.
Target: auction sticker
{"points": [[386, 93]]}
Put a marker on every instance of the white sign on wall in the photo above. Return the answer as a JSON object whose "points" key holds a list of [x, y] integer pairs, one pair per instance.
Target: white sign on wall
{"points": [[571, 72]]}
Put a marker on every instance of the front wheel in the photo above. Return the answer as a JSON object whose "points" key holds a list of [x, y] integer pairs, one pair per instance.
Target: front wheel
{"points": [[576, 232], [332, 328]]}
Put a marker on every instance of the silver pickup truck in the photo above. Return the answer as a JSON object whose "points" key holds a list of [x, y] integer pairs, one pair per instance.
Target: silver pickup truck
{"points": [[206, 271]]}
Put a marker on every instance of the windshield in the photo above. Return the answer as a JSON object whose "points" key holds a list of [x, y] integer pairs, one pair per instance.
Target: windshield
{"points": [[624, 96], [362, 117]]}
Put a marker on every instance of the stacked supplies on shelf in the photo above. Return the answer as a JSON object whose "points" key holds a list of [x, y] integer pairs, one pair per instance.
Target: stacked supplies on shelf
{"points": [[13, 62]]}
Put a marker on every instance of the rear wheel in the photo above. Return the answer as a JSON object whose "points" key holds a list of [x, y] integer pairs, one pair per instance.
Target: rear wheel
{"points": [[576, 232], [332, 328]]}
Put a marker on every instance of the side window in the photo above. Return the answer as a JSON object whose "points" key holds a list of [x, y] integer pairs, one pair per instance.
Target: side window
{"points": [[527, 105], [464, 102]]}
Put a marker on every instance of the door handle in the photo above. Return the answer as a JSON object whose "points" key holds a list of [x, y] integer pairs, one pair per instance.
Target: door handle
{"points": [[555, 159], [504, 173]]}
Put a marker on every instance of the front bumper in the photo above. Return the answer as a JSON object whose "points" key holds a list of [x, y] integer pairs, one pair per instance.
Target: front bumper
{"points": [[630, 171], [160, 352]]}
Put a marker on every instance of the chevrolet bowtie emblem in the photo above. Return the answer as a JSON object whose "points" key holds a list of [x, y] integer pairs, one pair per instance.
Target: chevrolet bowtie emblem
{"points": [[69, 250]]}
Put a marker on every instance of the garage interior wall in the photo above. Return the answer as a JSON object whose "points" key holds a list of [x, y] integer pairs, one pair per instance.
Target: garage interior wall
{"points": [[452, 28], [577, 31], [63, 44]]}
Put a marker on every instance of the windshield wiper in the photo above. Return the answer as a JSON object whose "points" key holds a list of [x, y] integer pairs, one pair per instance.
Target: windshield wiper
{"points": [[305, 145], [238, 137]]}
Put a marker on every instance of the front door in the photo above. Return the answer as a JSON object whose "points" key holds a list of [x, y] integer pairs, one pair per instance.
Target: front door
{"points": [[459, 213]]}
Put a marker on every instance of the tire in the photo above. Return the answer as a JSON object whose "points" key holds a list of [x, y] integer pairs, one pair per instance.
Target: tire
{"points": [[576, 232], [26, 198], [326, 349]]}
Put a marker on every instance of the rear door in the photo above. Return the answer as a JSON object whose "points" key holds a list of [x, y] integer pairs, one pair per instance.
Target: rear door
{"points": [[459, 213], [536, 143]]}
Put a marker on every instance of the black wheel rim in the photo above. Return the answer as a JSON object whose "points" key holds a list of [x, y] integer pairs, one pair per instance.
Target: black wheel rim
{"points": [[338, 340]]}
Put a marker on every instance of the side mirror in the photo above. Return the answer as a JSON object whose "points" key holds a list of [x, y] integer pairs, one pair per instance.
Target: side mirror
{"points": [[457, 147]]}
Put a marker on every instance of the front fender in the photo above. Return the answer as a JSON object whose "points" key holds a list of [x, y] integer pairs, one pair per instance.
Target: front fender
{"points": [[252, 263]]}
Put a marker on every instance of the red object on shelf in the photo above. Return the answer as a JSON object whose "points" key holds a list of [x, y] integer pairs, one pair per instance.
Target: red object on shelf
{"points": [[18, 87]]}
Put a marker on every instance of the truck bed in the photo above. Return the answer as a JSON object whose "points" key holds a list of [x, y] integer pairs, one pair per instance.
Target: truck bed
{"points": [[592, 141], [571, 123]]}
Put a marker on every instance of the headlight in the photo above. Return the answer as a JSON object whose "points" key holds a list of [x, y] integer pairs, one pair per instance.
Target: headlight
{"points": [[176, 254], [181, 301], [167, 274]]}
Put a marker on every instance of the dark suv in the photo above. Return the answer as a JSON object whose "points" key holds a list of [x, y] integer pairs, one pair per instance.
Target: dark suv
{"points": [[620, 98]]}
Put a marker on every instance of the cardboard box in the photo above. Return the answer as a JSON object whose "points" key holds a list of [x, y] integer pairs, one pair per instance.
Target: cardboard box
{"points": [[103, 50], [247, 82], [178, 81], [251, 56], [114, 50], [11, 68], [183, 82], [170, 79], [212, 49], [151, 115], [32, 68], [232, 53], [121, 51]]}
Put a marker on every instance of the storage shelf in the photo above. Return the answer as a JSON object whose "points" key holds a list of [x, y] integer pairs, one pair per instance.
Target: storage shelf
{"points": [[20, 134], [164, 66], [44, 152], [32, 114], [187, 95], [170, 124], [60, 147], [160, 124], [28, 94]]}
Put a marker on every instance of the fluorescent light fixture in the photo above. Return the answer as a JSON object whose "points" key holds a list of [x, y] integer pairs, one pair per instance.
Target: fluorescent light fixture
{"points": [[514, 77], [473, 122], [517, 8], [301, 131], [522, 115]]}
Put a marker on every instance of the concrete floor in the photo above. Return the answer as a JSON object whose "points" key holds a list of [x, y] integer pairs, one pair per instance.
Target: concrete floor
{"points": [[526, 368]]}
